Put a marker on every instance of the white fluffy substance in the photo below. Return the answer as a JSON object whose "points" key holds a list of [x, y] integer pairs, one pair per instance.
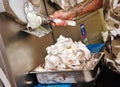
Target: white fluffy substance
{"points": [[66, 54], [34, 21]]}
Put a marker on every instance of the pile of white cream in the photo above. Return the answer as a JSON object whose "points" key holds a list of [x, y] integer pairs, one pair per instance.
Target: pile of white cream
{"points": [[66, 54]]}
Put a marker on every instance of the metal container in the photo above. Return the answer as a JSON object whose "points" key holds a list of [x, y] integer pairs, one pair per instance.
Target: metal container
{"points": [[76, 76]]}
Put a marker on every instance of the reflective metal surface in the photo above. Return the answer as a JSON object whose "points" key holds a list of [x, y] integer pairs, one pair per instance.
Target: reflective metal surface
{"points": [[6, 76], [71, 76], [24, 51]]}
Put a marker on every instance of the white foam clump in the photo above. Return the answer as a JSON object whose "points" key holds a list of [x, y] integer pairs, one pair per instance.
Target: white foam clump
{"points": [[66, 54]]}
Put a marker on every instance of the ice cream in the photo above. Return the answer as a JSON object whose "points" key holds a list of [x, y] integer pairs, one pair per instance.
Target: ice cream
{"points": [[66, 54]]}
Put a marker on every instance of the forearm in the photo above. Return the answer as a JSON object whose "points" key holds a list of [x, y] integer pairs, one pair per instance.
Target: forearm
{"points": [[94, 5]]}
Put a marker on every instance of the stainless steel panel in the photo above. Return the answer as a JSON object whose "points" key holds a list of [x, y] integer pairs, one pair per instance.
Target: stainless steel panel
{"points": [[5, 67], [24, 51]]}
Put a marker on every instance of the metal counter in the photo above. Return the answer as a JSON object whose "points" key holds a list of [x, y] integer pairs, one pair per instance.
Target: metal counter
{"points": [[24, 51]]}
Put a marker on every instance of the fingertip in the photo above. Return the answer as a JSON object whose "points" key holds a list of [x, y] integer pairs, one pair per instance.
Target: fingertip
{"points": [[53, 24], [51, 16], [65, 23]]}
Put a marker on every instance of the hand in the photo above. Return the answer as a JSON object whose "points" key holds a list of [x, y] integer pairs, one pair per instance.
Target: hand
{"points": [[60, 23], [63, 16]]}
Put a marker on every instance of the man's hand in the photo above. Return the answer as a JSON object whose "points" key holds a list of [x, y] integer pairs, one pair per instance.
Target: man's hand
{"points": [[63, 16]]}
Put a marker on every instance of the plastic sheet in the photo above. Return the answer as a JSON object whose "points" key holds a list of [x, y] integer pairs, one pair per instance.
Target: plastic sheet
{"points": [[95, 48], [55, 85]]}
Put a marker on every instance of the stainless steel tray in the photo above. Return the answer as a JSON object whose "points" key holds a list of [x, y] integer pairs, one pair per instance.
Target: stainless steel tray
{"points": [[76, 76]]}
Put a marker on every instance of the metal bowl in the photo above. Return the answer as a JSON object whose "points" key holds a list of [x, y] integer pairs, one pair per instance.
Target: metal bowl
{"points": [[71, 76]]}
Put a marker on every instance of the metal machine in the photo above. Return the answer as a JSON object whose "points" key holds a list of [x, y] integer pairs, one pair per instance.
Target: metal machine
{"points": [[25, 51]]}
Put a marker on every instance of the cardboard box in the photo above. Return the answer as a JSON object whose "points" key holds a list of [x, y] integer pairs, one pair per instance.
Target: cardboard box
{"points": [[93, 23]]}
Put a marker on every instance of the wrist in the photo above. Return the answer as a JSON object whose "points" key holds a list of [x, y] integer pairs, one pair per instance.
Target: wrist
{"points": [[78, 10], [72, 12]]}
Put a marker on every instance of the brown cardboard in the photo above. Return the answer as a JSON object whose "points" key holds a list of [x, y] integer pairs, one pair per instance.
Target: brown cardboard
{"points": [[94, 24], [112, 51]]}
